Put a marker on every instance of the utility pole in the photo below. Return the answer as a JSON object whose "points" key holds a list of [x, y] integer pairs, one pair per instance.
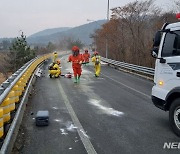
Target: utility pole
{"points": [[108, 11], [106, 34]]}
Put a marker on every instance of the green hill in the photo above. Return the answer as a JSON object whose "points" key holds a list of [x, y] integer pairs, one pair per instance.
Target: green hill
{"points": [[49, 31], [80, 32]]}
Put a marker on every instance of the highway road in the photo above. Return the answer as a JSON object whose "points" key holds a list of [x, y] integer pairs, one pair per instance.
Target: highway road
{"points": [[112, 114]]}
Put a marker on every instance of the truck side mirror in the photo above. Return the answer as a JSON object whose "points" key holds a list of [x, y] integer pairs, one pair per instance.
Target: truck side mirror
{"points": [[157, 39], [154, 52]]}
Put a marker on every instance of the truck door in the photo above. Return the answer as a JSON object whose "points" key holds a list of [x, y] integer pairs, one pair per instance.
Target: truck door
{"points": [[168, 63]]}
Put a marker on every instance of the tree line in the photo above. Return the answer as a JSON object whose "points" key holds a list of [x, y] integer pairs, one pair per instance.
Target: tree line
{"points": [[17, 52], [130, 31]]}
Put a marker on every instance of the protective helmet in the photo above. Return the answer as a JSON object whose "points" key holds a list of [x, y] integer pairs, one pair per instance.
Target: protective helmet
{"points": [[96, 53], [86, 51], [58, 62], [75, 48], [55, 52]]}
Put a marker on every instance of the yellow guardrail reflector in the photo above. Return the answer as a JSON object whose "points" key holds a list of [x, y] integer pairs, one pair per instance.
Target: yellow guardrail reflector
{"points": [[1, 112]]}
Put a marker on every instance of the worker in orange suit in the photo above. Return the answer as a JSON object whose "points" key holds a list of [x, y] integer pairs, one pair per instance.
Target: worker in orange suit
{"points": [[96, 59], [77, 59], [86, 56]]}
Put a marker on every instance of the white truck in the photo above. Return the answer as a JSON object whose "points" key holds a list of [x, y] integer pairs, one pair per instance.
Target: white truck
{"points": [[166, 89]]}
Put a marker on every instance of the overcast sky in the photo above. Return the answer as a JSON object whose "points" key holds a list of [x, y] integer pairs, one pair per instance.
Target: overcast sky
{"points": [[32, 16]]}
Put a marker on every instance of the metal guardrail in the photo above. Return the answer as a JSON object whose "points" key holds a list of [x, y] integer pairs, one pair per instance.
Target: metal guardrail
{"points": [[7, 85], [131, 67], [12, 91]]}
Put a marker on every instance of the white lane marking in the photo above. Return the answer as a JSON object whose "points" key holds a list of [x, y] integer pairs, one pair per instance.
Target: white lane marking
{"points": [[84, 133], [104, 109], [85, 140], [127, 86]]}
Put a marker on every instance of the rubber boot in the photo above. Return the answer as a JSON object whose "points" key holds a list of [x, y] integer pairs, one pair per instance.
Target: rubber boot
{"points": [[75, 79], [78, 79]]}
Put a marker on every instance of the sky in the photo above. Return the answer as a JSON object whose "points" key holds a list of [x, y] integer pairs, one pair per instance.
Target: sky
{"points": [[31, 16]]}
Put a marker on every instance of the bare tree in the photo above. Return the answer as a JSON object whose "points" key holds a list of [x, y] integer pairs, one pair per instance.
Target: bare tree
{"points": [[178, 5], [131, 30]]}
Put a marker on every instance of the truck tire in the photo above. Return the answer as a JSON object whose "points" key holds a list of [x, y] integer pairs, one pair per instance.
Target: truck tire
{"points": [[174, 116]]}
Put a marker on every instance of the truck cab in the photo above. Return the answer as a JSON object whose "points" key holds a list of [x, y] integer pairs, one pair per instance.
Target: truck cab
{"points": [[166, 89]]}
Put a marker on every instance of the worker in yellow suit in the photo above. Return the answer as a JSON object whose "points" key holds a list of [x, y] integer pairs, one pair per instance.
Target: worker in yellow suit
{"points": [[55, 55], [96, 59], [54, 69]]}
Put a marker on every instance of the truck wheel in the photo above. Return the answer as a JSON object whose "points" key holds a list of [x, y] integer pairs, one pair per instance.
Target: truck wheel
{"points": [[174, 116]]}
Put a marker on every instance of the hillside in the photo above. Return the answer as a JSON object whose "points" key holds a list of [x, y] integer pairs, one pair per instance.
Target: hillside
{"points": [[49, 31], [81, 32]]}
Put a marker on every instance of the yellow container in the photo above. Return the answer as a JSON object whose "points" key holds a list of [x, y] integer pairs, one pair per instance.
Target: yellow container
{"points": [[17, 99], [20, 85], [1, 118], [18, 90], [5, 105], [23, 81], [1, 112], [6, 117], [11, 94], [9, 103], [1, 132], [1, 122], [12, 107], [6, 110]]}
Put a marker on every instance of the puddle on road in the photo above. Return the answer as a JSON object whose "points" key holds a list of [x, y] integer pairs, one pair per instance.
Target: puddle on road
{"points": [[104, 109]]}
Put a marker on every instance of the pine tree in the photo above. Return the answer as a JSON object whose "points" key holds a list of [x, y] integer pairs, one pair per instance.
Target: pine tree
{"points": [[20, 53]]}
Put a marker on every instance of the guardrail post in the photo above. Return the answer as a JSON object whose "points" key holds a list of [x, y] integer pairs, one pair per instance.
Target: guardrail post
{"points": [[5, 84], [1, 90], [15, 75], [11, 79]]}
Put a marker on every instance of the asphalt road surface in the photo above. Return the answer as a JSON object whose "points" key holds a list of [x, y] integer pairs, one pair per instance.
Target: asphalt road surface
{"points": [[112, 114]]}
